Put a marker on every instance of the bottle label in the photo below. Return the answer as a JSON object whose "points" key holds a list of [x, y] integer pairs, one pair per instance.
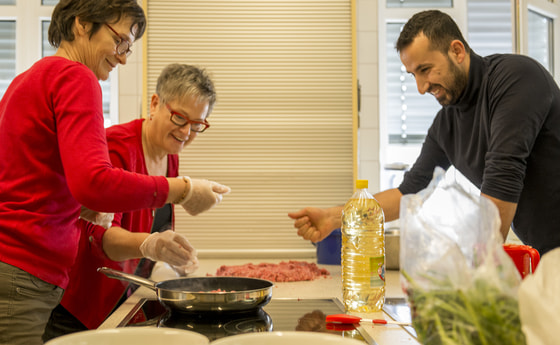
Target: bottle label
{"points": [[377, 269]]}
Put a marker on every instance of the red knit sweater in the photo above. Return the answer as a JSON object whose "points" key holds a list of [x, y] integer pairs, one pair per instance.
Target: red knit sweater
{"points": [[53, 157], [91, 296]]}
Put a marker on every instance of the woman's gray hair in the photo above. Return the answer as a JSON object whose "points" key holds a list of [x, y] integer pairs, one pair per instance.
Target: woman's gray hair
{"points": [[177, 81], [97, 12]]}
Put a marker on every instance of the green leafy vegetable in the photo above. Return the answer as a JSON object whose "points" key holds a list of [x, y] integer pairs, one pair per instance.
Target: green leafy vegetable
{"points": [[480, 314]]}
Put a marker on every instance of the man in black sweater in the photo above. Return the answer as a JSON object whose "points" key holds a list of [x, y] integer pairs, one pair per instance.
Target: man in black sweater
{"points": [[499, 126]]}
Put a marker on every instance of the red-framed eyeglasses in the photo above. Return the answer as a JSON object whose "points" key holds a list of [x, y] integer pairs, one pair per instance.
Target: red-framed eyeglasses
{"points": [[181, 120]]}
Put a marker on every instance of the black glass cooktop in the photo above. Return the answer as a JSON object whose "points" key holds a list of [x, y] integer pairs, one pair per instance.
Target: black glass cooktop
{"points": [[277, 315]]}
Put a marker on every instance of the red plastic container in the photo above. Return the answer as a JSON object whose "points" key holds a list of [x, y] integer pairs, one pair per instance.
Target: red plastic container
{"points": [[525, 258]]}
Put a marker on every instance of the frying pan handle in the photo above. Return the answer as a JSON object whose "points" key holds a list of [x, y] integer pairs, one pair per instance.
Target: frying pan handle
{"points": [[111, 273]]}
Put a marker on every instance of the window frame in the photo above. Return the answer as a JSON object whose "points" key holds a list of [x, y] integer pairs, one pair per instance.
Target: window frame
{"points": [[547, 8]]}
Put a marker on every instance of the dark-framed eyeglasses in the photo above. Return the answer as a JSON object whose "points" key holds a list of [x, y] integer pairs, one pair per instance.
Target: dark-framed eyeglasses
{"points": [[123, 46], [181, 120]]}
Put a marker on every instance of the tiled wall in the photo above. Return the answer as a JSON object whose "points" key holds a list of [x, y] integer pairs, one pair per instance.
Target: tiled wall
{"points": [[368, 66]]}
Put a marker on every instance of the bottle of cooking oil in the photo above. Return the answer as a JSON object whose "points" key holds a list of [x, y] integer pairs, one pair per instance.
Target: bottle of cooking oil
{"points": [[363, 252]]}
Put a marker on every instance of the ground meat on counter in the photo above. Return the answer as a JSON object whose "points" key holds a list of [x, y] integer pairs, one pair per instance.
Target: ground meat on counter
{"points": [[290, 271]]}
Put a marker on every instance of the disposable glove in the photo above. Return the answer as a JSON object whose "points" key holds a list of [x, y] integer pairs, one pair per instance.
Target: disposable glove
{"points": [[203, 195], [186, 269], [104, 219], [170, 247], [98, 218], [164, 271]]}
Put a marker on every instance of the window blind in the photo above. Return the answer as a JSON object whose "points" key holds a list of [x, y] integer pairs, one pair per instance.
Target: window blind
{"points": [[282, 130], [489, 26], [7, 54], [419, 3], [409, 114]]}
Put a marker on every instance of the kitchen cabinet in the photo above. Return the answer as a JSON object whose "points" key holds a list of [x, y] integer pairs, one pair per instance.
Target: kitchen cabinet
{"points": [[330, 287]]}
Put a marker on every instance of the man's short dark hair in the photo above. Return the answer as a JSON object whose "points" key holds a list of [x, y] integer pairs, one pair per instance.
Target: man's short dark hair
{"points": [[438, 27]]}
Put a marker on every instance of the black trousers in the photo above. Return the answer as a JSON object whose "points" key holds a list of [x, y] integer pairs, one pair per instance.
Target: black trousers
{"points": [[60, 323]]}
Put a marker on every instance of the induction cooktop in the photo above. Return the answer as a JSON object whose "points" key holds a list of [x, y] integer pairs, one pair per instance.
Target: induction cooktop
{"points": [[278, 315]]}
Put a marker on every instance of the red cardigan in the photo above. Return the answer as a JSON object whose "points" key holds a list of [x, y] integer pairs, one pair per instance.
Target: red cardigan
{"points": [[90, 295], [54, 157]]}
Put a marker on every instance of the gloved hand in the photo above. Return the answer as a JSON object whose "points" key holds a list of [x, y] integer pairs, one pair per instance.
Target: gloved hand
{"points": [[186, 269], [98, 218], [164, 271], [203, 195], [170, 247], [104, 219]]}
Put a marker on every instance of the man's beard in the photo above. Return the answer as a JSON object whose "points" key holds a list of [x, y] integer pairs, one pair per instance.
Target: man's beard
{"points": [[457, 81]]}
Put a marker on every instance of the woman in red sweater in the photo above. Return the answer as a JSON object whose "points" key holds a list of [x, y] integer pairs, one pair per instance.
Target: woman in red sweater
{"points": [[54, 158], [147, 147]]}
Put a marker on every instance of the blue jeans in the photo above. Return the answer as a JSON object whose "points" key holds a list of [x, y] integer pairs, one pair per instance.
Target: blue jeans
{"points": [[26, 303]]}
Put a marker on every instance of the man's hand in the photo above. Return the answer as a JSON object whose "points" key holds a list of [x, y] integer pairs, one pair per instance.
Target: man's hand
{"points": [[507, 212], [315, 224]]}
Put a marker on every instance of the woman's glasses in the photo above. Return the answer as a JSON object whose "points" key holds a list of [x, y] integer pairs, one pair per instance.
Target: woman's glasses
{"points": [[181, 120], [123, 46]]}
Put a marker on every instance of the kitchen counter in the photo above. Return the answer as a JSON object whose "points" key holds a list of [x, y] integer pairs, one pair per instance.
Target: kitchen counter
{"points": [[320, 288]]}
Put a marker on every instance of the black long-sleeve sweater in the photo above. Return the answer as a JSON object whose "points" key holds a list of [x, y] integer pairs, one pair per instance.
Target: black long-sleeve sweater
{"points": [[503, 134]]}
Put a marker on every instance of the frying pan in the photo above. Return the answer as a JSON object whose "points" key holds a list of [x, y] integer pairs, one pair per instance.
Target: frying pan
{"points": [[196, 294]]}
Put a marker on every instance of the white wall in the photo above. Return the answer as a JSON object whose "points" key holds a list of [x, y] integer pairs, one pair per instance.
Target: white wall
{"points": [[130, 85], [368, 61]]}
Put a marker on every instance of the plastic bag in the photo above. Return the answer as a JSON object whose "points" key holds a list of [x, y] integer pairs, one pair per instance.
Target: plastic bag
{"points": [[461, 285], [539, 301]]}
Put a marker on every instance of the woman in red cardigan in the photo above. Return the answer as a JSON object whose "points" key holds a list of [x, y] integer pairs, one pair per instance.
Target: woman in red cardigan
{"points": [[179, 109]]}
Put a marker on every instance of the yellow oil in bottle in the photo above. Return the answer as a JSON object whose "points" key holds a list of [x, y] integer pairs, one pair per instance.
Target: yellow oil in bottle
{"points": [[363, 252]]}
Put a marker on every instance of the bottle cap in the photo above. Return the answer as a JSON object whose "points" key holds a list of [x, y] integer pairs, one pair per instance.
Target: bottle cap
{"points": [[361, 184]]}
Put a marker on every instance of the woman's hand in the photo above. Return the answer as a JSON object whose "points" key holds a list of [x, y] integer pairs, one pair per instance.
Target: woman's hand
{"points": [[169, 247], [203, 195], [98, 218]]}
